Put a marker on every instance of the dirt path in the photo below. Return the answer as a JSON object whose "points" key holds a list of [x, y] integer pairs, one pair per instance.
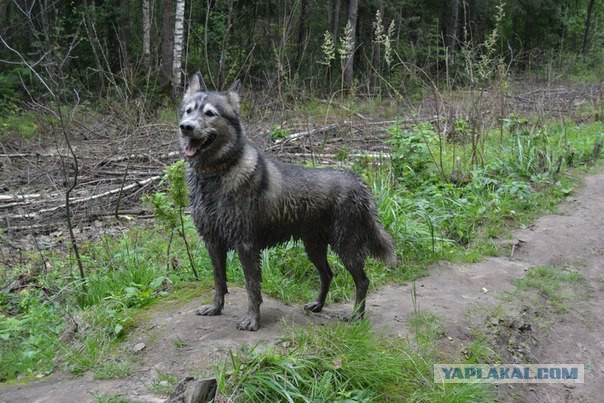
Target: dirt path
{"points": [[178, 342]]}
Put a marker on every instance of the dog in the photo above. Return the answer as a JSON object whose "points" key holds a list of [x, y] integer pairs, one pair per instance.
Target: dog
{"points": [[243, 200]]}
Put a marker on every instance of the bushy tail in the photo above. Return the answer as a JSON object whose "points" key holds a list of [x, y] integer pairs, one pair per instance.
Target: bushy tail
{"points": [[381, 246]]}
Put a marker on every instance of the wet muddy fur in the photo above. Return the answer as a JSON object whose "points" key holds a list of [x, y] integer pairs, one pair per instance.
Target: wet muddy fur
{"points": [[241, 200]]}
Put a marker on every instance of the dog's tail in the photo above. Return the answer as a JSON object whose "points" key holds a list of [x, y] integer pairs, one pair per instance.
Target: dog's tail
{"points": [[381, 246]]}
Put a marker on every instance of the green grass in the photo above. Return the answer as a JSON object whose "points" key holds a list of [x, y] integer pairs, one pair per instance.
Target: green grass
{"points": [[338, 363], [14, 122], [557, 285], [480, 350], [29, 335], [117, 398], [116, 367], [163, 383]]}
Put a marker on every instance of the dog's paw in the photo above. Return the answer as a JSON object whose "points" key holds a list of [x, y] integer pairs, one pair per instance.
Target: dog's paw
{"points": [[315, 307], [354, 317], [208, 310], [249, 322]]}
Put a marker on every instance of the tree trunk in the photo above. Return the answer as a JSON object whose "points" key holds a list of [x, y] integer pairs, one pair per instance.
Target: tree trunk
{"points": [[335, 22], [452, 28], [376, 54], [167, 45], [179, 23], [125, 31], [146, 36], [301, 32], [94, 42], [353, 10], [590, 7]]}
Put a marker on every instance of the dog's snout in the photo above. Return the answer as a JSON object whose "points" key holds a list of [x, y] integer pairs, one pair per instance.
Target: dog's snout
{"points": [[186, 128]]}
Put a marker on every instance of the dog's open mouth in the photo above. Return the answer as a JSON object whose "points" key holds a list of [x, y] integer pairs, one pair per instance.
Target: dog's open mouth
{"points": [[194, 146]]}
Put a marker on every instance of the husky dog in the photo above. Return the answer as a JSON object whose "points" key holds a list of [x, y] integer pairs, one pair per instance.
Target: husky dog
{"points": [[241, 200]]}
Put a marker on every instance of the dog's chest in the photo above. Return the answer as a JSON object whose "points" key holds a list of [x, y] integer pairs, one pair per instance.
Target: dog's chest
{"points": [[227, 215]]}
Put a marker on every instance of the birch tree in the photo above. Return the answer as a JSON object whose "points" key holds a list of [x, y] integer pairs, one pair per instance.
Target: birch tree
{"points": [[146, 35], [179, 21]]}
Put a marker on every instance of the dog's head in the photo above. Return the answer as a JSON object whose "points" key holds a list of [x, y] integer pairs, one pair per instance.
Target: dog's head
{"points": [[208, 120]]}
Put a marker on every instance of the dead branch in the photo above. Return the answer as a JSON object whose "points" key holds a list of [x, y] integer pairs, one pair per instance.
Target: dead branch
{"points": [[16, 198], [300, 135], [335, 156], [137, 184], [144, 157]]}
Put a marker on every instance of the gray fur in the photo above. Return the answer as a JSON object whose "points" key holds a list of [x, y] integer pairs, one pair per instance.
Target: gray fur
{"points": [[241, 200]]}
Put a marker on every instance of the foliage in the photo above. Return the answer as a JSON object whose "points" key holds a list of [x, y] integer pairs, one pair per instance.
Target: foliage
{"points": [[430, 208], [169, 206], [28, 336], [99, 47]]}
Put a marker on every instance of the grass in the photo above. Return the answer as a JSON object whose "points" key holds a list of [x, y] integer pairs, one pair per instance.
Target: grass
{"points": [[480, 351], [117, 398], [338, 363], [115, 368], [559, 286], [163, 383], [13, 121]]}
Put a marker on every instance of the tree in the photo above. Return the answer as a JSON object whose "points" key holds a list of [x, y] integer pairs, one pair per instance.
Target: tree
{"points": [[590, 7], [353, 10], [124, 30], [453, 27], [179, 19], [167, 45], [335, 20], [146, 36]]}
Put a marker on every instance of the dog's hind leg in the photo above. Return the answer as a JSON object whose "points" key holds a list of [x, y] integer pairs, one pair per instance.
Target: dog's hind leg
{"points": [[317, 253], [361, 282], [250, 260], [218, 255]]}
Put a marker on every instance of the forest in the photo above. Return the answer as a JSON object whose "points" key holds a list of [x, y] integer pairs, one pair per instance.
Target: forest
{"points": [[468, 120], [378, 47]]}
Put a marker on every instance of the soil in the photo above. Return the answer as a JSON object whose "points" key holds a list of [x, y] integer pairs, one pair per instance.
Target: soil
{"points": [[174, 340]]}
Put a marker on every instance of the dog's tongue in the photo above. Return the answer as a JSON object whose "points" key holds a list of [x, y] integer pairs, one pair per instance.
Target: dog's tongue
{"points": [[190, 151]]}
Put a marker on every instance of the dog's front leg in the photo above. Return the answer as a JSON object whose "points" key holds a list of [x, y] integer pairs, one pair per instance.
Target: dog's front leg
{"points": [[250, 260], [218, 255]]}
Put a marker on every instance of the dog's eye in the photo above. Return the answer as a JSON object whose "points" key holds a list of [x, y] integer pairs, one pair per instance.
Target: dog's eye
{"points": [[210, 113], [189, 111]]}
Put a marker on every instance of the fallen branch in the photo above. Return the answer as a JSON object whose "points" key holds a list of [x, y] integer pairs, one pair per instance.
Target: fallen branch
{"points": [[335, 156], [16, 198], [145, 157], [300, 135], [136, 184]]}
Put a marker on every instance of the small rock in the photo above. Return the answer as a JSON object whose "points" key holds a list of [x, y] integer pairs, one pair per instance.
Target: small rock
{"points": [[139, 347], [192, 391]]}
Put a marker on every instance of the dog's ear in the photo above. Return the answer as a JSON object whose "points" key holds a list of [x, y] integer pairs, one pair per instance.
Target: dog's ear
{"points": [[235, 86], [195, 85], [233, 95]]}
